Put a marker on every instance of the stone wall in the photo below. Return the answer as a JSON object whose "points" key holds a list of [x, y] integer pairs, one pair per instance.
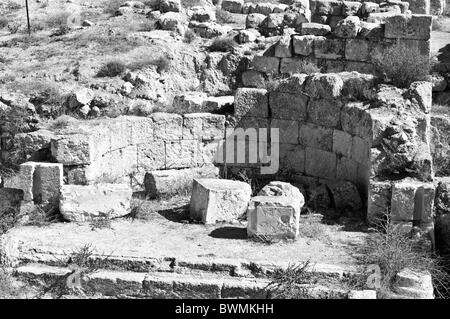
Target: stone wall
{"points": [[338, 43]]}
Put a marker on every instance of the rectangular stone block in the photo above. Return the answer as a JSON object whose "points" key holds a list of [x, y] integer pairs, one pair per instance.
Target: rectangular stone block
{"points": [[408, 27], [273, 217], [217, 200], [325, 112], [288, 106], [421, 46], [252, 128], [420, 6], [265, 64], [342, 143], [356, 120], [332, 49], [311, 135], [251, 102], [346, 169], [151, 156], [181, 154], [357, 50], [176, 181], [22, 180], [292, 157], [294, 65], [320, 163], [360, 150], [203, 126], [288, 130], [141, 129], [379, 200], [303, 45], [80, 203], [48, 179], [167, 126], [119, 132], [75, 149], [328, 7]]}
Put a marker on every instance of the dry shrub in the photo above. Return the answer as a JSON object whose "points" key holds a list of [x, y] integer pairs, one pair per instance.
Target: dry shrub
{"points": [[189, 36], [111, 6], [305, 67], [224, 17], [112, 69], [290, 283], [401, 65], [57, 19], [3, 22], [222, 44]]}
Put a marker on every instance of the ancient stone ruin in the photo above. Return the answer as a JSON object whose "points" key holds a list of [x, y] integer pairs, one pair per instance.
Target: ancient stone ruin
{"points": [[279, 145]]}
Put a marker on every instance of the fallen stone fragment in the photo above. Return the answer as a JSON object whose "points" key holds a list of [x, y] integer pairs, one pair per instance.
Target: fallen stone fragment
{"points": [[277, 188], [216, 200], [273, 217], [81, 203], [414, 284]]}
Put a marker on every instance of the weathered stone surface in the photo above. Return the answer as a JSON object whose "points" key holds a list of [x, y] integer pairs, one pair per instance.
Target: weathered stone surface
{"points": [[172, 21], [10, 199], [292, 66], [215, 200], [169, 6], [347, 170], [420, 92], [402, 203], [273, 217], [288, 106], [276, 188], [328, 48], [22, 180], [440, 143], [251, 102], [266, 64], [189, 102], [75, 149], [175, 181], [203, 14], [254, 20], [314, 29], [442, 202], [320, 163], [350, 8], [218, 103], [348, 28], [83, 203], [342, 143], [325, 112], [233, 6], [247, 36], [311, 135], [47, 182], [324, 85], [414, 284], [33, 146], [379, 17], [79, 98], [362, 294], [372, 31], [345, 196], [357, 50], [167, 126], [287, 129], [283, 48], [420, 6], [358, 86], [356, 120], [203, 126], [328, 7], [369, 7], [408, 27], [253, 79], [303, 45], [379, 200]]}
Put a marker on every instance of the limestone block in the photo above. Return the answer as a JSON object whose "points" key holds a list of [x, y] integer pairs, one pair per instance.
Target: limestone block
{"points": [[273, 21], [80, 203], [277, 188], [74, 149], [346, 196], [172, 21], [175, 181], [420, 6], [266, 64], [254, 20], [79, 98], [362, 294], [203, 126], [346, 169], [320, 163], [358, 86], [167, 126], [218, 103], [348, 28], [350, 8], [189, 102], [369, 7], [442, 202], [342, 143], [414, 284], [292, 65], [203, 14], [288, 130], [372, 31], [216, 200], [408, 27], [283, 48], [233, 6], [247, 36], [357, 50], [325, 112], [379, 200], [288, 106], [380, 17], [293, 84], [292, 157], [264, 8], [253, 79], [141, 130], [181, 154], [329, 48], [328, 7], [324, 86], [23, 180], [314, 29], [402, 202], [48, 180], [31, 144], [423, 47], [316, 136], [273, 216], [151, 156], [251, 102], [420, 92], [303, 45], [77, 175], [360, 150], [356, 120], [251, 126]]}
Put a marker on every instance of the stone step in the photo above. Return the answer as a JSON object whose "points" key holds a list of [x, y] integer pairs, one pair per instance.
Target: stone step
{"points": [[126, 284]]}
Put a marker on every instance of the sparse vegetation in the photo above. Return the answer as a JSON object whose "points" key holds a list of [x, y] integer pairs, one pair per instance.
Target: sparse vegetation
{"points": [[111, 6], [290, 283], [224, 17], [112, 69], [3, 22], [222, 44], [402, 65], [100, 223], [58, 19], [189, 36], [305, 67]]}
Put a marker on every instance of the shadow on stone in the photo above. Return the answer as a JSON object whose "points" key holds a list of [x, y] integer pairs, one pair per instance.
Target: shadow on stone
{"points": [[176, 214], [229, 232]]}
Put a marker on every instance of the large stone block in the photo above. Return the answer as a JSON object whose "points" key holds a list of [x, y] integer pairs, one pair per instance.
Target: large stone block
{"points": [[342, 143], [254, 20], [379, 201], [420, 94], [332, 49], [31, 145], [151, 156], [408, 27], [22, 180], [293, 65], [360, 150], [328, 7], [216, 200], [233, 6], [288, 130], [84, 203], [74, 149], [251, 102], [325, 112], [203, 126], [167, 126], [320, 163], [176, 181], [345, 196], [48, 180], [415, 284], [273, 217], [320, 137], [181, 154], [292, 157], [348, 28], [303, 45], [277, 188], [283, 48], [347, 169], [324, 86], [288, 106], [268, 65], [253, 79], [356, 120], [314, 29], [420, 6], [169, 5], [141, 130], [357, 50]]}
